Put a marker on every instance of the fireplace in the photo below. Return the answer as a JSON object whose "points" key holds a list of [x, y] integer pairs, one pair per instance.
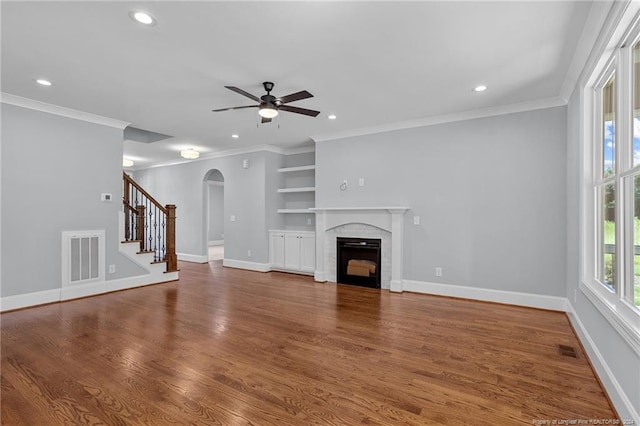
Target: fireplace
{"points": [[386, 223], [359, 261]]}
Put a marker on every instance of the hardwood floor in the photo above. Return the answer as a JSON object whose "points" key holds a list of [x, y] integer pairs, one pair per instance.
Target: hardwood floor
{"points": [[231, 347]]}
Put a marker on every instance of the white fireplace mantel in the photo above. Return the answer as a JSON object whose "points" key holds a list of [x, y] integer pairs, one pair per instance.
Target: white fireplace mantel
{"points": [[390, 219]]}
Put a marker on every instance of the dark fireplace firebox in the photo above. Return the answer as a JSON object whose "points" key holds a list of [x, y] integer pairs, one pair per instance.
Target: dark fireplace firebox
{"points": [[359, 261]]}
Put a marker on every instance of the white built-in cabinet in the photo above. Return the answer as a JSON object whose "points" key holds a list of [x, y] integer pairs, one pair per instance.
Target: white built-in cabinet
{"points": [[292, 251]]}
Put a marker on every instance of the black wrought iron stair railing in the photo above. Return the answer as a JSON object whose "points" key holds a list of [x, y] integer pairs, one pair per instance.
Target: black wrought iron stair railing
{"points": [[149, 223]]}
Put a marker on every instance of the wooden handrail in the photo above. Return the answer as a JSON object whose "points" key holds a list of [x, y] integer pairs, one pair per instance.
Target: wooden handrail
{"points": [[127, 178], [149, 223], [130, 208]]}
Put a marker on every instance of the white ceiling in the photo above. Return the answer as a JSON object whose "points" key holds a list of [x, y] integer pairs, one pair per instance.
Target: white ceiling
{"points": [[372, 64]]}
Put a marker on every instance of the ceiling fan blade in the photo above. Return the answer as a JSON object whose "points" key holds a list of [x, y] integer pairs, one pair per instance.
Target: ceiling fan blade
{"points": [[243, 93], [240, 107], [297, 110], [266, 120], [295, 97]]}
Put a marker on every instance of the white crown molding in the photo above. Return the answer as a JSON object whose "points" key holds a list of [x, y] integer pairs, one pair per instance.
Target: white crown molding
{"points": [[588, 39], [300, 150], [618, 17], [446, 118], [232, 152], [9, 99]]}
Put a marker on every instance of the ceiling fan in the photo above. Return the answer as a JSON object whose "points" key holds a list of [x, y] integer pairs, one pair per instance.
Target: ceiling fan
{"points": [[269, 105]]}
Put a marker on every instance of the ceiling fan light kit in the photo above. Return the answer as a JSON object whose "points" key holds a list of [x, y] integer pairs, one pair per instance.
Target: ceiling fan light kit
{"points": [[269, 106], [267, 111]]}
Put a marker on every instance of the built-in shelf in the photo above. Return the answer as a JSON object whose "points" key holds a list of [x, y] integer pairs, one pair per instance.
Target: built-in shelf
{"points": [[301, 189], [304, 189], [297, 169], [294, 211]]}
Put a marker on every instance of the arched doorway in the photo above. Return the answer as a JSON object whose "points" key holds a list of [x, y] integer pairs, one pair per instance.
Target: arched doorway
{"points": [[213, 191]]}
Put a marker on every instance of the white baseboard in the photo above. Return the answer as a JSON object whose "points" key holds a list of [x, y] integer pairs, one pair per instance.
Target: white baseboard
{"points": [[20, 301], [539, 301], [9, 303], [290, 271], [215, 243], [82, 290], [195, 258], [614, 390], [243, 264], [138, 281]]}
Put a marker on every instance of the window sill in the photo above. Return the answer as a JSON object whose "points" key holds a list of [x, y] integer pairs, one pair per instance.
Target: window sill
{"points": [[620, 314]]}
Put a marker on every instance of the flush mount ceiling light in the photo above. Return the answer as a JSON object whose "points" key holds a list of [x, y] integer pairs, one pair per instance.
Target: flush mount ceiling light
{"points": [[332, 117], [235, 136], [268, 111], [189, 154], [142, 17], [43, 82], [127, 163], [480, 88]]}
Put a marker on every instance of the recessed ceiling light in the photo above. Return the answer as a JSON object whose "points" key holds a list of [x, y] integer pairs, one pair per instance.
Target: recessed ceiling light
{"points": [[480, 88], [235, 136], [43, 82], [142, 17], [332, 117]]}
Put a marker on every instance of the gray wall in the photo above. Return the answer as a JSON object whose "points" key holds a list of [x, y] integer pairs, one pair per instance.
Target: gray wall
{"points": [[245, 197], [622, 361], [490, 194], [216, 211], [52, 183]]}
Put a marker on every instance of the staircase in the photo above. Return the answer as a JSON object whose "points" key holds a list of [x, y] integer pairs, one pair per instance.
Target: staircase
{"points": [[149, 227]]}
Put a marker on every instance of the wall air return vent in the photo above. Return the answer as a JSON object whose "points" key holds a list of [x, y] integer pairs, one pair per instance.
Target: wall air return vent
{"points": [[82, 257]]}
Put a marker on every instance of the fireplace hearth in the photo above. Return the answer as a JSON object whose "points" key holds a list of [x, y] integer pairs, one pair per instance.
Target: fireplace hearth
{"points": [[359, 261]]}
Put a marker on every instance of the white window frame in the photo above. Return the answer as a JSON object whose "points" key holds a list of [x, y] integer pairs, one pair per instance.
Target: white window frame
{"points": [[616, 56]]}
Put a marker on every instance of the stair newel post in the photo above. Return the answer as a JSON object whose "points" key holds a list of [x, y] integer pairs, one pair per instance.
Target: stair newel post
{"points": [[140, 225], [126, 190], [171, 257]]}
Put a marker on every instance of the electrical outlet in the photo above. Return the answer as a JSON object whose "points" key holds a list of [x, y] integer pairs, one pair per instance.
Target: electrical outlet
{"points": [[112, 269], [416, 220], [361, 182], [233, 218], [438, 271], [248, 253], [308, 221]]}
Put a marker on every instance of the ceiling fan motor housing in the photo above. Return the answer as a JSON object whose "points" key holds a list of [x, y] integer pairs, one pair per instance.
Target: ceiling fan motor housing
{"points": [[269, 100]]}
